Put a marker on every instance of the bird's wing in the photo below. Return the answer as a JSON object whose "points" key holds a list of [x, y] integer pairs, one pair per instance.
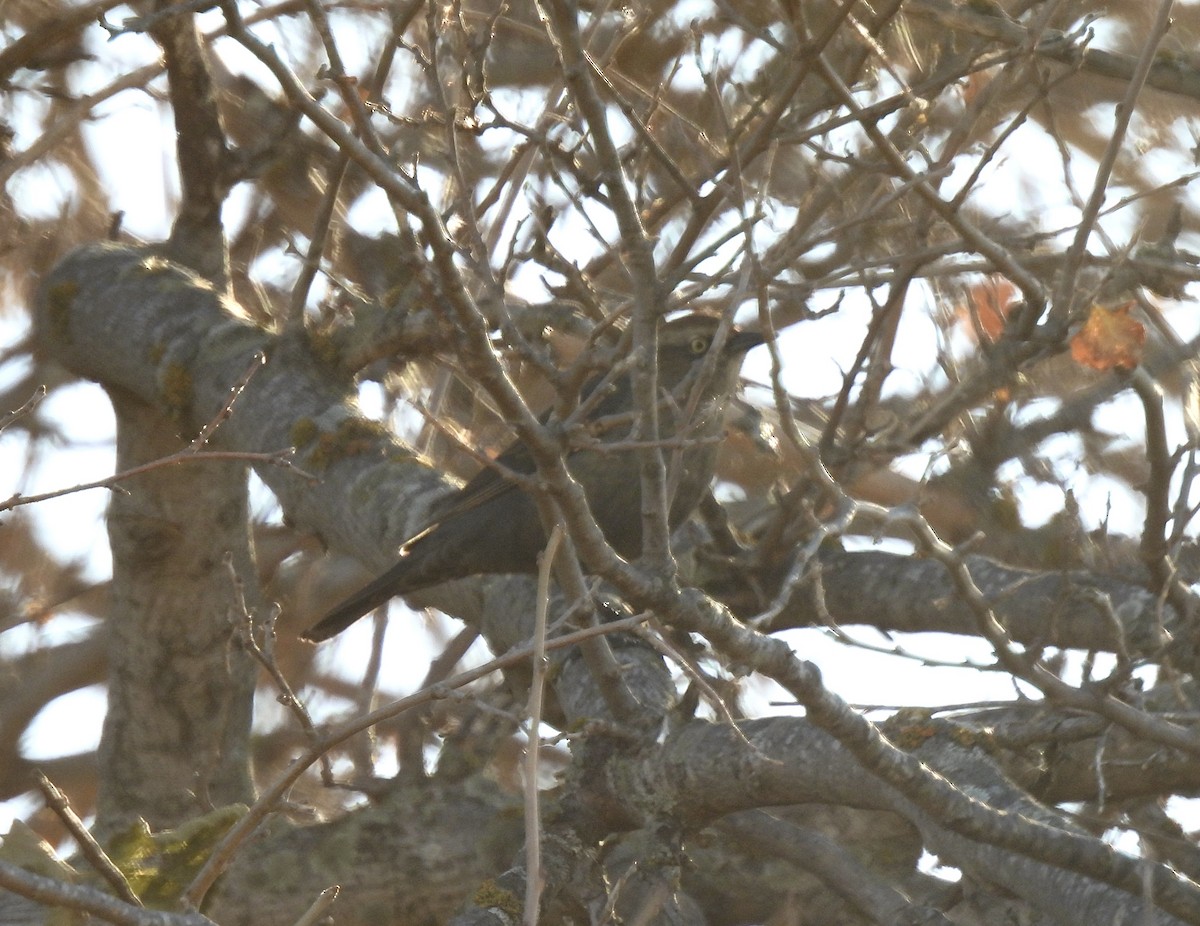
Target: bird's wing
{"points": [[488, 483], [491, 481]]}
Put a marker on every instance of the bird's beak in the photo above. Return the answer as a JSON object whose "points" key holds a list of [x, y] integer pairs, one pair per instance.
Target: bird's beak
{"points": [[743, 341]]}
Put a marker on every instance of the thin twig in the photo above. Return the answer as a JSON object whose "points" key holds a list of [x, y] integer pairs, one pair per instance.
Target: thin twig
{"points": [[274, 792], [226, 410], [316, 912], [560, 19], [1000, 256], [1096, 698], [92, 850], [278, 458], [1061, 303], [264, 654], [28, 406], [88, 899], [540, 667]]}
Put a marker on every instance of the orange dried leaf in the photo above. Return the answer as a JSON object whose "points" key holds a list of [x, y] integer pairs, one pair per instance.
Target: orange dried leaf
{"points": [[1110, 339], [989, 304]]}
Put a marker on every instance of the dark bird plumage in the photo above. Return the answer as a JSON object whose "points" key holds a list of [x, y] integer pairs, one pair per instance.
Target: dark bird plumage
{"points": [[492, 526]]}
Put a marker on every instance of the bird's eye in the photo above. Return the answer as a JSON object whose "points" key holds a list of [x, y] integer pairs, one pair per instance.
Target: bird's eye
{"points": [[698, 345]]}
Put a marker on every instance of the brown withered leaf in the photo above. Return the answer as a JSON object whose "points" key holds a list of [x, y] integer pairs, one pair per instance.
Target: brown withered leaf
{"points": [[989, 304], [1110, 339]]}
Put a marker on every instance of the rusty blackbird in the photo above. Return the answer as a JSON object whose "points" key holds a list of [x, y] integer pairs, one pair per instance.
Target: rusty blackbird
{"points": [[492, 526]]}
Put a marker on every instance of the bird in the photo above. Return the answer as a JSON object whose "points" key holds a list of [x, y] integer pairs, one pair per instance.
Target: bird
{"points": [[492, 526]]}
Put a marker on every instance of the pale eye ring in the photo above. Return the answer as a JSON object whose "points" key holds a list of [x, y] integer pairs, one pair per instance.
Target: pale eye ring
{"points": [[698, 345]]}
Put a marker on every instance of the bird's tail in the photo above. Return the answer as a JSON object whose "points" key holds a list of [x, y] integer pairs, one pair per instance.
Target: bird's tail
{"points": [[405, 576], [375, 593]]}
